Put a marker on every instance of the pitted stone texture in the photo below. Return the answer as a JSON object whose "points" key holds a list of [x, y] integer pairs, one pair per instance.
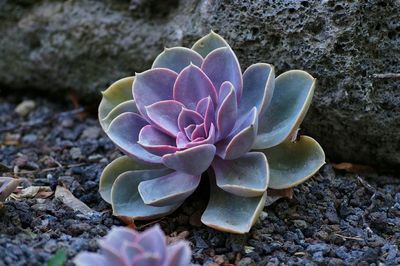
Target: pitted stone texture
{"points": [[57, 46]]}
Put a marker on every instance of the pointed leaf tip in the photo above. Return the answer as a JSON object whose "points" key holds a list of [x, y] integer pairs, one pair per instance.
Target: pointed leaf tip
{"points": [[177, 58], [192, 85], [231, 71], [208, 43]]}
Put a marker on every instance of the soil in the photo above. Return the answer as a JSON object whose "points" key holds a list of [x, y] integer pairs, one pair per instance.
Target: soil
{"points": [[335, 218]]}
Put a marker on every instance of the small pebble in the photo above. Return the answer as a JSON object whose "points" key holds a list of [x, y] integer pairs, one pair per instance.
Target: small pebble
{"points": [[25, 107], [11, 139], [104, 160], [50, 246], [79, 228], [75, 153], [95, 157], [29, 138], [263, 215], [91, 133], [67, 122], [318, 257], [248, 249], [300, 224], [273, 262], [199, 242], [246, 262], [41, 207], [220, 259], [335, 262], [319, 247]]}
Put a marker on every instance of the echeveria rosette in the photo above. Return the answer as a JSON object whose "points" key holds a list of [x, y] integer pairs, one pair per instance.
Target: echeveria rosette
{"points": [[125, 247], [195, 111]]}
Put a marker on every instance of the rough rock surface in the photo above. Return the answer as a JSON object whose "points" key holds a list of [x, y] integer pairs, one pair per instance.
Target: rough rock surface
{"points": [[58, 46]]}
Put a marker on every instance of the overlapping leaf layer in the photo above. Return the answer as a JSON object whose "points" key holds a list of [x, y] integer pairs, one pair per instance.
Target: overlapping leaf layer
{"points": [[195, 111]]}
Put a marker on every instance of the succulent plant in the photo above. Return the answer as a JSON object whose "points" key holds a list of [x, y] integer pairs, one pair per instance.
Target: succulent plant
{"points": [[195, 111], [126, 247]]}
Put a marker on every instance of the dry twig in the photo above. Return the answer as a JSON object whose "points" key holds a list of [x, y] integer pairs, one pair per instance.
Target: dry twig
{"points": [[387, 76], [349, 237]]}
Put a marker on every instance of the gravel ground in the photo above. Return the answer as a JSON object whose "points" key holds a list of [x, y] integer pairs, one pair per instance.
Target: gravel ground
{"points": [[333, 219]]}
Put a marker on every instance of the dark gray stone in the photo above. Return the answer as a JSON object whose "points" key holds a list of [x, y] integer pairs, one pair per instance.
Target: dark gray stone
{"points": [[319, 247], [349, 46]]}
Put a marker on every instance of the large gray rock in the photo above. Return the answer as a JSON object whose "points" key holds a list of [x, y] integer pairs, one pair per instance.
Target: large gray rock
{"points": [[349, 46]]}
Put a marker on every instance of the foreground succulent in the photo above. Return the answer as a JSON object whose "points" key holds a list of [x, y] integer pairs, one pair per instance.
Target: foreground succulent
{"points": [[126, 247], [194, 111]]}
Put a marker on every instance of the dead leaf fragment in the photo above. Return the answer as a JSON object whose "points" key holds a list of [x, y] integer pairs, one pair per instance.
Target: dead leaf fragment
{"points": [[7, 186], [354, 168], [128, 221], [11, 139], [177, 237], [66, 197], [40, 192], [275, 194]]}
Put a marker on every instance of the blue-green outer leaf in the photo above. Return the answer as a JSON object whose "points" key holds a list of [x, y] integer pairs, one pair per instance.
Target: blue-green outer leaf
{"points": [[126, 200], [117, 167], [290, 101], [118, 92], [292, 163], [230, 213], [246, 176]]}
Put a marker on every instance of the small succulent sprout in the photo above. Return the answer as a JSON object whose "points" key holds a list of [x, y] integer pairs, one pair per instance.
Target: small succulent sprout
{"points": [[126, 247], [195, 111], [7, 186]]}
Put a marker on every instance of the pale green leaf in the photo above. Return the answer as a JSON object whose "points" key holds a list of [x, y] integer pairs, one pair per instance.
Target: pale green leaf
{"points": [[292, 163], [124, 107], [115, 168], [119, 92], [126, 200], [289, 104], [246, 176], [209, 43]]}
